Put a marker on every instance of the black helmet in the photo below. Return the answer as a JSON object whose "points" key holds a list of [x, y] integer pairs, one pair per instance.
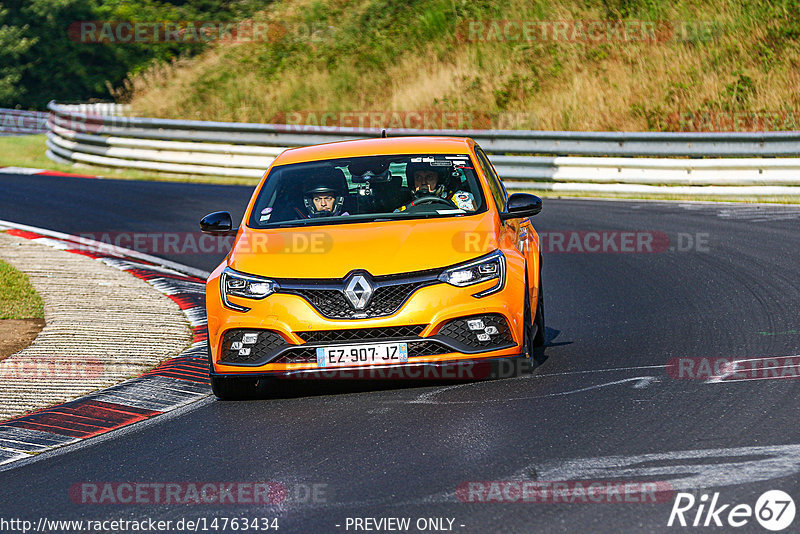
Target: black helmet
{"points": [[443, 174], [338, 201]]}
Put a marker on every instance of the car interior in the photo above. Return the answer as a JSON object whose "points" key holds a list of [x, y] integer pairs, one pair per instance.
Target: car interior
{"points": [[369, 185]]}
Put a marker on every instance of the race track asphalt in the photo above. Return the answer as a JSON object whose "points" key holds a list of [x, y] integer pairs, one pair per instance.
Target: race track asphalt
{"points": [[602, 407]]}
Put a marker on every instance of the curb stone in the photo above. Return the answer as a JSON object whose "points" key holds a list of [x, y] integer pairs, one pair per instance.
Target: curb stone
{"points": [[174, 383]]}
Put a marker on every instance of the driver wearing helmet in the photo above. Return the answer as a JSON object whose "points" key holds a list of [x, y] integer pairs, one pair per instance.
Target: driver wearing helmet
{"points": [[434, 181], [324, 201]]}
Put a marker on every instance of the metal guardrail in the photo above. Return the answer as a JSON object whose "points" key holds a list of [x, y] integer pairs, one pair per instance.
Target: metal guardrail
{"points": [[682, 144], [21, 122], [103, 136]]}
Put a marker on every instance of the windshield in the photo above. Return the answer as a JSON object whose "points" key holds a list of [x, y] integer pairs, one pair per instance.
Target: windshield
{"points": [[368, 188]]}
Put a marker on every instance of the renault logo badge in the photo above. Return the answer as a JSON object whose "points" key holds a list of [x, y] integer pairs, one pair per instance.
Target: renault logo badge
{"points": [[358, 291]]}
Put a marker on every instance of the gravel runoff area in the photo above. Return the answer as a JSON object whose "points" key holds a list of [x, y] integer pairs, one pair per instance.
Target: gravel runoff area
{"points": [[103, 326]]}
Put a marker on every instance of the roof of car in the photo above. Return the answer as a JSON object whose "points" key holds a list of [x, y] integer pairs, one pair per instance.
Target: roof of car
{"points": [[379, 146]]}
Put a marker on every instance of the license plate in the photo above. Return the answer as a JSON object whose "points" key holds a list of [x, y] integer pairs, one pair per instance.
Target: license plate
{"points": [[365, 354]]}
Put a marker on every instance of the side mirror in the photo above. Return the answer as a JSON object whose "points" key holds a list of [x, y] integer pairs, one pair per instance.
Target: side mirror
{"points": [[521, 205], [217, 223]]}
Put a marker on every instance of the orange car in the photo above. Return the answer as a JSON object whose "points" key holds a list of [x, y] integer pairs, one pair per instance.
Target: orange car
{"points": [[377, 254]]}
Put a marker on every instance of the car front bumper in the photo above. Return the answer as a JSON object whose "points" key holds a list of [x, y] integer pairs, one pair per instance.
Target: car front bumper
{"points": [[425, 322]]}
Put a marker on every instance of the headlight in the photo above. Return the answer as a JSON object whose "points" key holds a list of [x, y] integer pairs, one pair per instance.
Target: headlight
{"points": [[237, 284], [489, 267]]}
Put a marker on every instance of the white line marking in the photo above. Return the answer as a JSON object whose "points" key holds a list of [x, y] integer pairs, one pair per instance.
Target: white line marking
{"points": [[734, 368], [105, 247], [20, 170], [733, 380], [686, 472], [425, 398], [610, 370], [7, 457], [644, 382]]}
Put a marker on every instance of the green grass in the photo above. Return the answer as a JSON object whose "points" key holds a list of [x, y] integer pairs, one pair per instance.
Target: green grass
{"points": [[18, 299], [29, 151]]}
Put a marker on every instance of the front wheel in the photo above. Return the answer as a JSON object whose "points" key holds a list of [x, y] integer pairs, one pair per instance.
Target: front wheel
{"points": [[527, 327], [539, 339], [534, 343]]}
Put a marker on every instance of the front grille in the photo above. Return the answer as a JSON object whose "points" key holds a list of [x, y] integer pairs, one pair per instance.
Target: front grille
{"points": [[390, 292], [427, 348], [423, 347], [331, 303], [267, 342], [458, 332], [359, 334]]}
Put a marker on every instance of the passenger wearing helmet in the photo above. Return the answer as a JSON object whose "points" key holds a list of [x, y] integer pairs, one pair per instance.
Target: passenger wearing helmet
{"points": [[429, 182], [324, 201]]}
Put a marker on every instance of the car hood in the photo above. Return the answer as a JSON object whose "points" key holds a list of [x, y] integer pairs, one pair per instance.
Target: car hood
{"points": [[380, 248]]}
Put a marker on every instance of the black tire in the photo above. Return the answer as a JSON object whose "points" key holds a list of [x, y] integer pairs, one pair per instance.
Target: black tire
{"points": [[233, 387], [527, 328], [539, 339]]}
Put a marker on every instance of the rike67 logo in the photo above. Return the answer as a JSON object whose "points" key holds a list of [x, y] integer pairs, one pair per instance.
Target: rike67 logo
{"points": [[774, 510]]}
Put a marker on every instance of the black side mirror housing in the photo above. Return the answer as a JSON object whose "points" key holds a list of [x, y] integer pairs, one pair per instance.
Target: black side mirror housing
{"points": [[521, 205], [217, 223]]}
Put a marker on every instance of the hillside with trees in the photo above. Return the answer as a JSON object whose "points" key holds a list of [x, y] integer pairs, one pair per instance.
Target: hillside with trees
{"points": [[542, 64]]}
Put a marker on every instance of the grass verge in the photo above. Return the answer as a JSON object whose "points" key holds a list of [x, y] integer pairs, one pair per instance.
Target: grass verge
{"points": [[18, 299], [29, 151]]}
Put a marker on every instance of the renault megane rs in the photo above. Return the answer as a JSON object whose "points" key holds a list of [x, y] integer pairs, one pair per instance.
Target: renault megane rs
{"points": [[374, 254]]}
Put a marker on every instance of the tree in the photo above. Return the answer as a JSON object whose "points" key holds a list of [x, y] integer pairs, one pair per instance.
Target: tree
{"points": [[13, 46], [41, 60]]}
